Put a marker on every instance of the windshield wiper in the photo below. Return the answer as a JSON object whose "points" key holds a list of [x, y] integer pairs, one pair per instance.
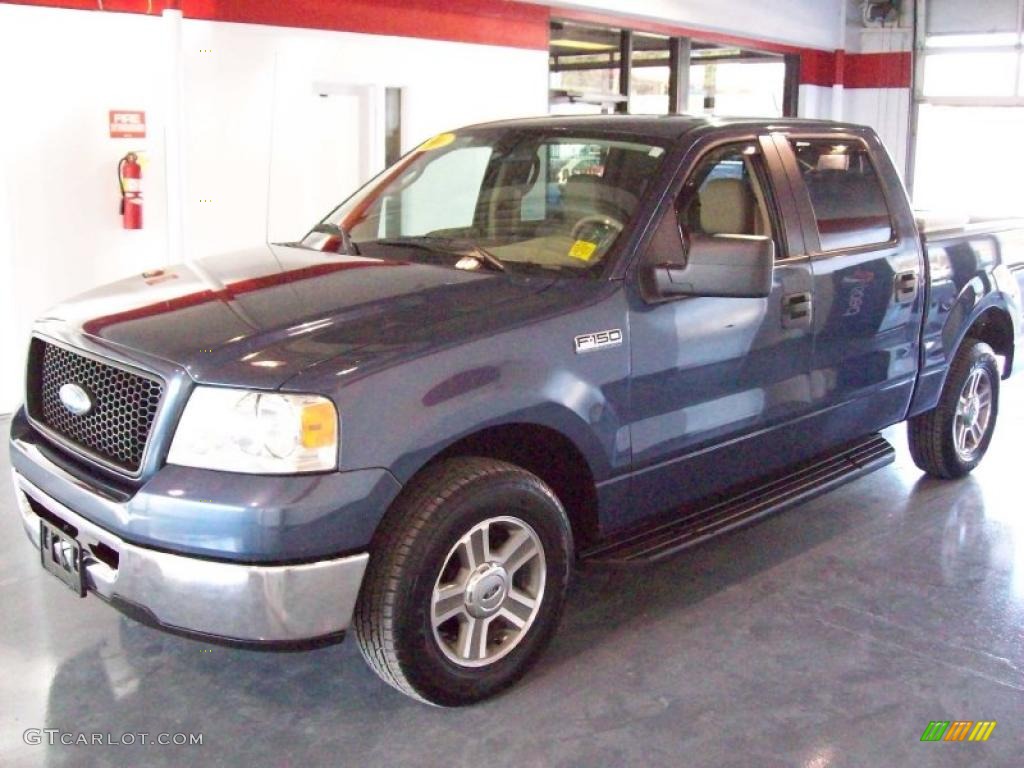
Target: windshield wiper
{"points": [[447, 245], [347, 243]]}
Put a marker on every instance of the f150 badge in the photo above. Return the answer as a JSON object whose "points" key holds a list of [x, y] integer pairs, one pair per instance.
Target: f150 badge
{"points": [[589, 342]]}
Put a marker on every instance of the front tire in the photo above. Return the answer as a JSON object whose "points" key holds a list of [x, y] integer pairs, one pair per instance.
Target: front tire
{"points": [[951, 439], [466, 581]]}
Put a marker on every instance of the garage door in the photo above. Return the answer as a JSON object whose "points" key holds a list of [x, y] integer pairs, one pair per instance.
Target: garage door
{"points": [[970, 107]]}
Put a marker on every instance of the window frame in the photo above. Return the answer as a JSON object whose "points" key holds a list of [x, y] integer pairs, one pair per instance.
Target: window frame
{"points": [[802, 196]]}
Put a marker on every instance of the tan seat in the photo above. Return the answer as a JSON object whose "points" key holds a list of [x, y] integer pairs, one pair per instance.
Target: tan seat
{"points": [[727, 207]]}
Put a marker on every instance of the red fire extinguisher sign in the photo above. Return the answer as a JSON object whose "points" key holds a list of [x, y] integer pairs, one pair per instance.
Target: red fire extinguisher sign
{"points": [[127, 124]]}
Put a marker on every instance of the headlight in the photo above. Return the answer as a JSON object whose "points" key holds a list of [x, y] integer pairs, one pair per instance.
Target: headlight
{"points": [[256, 432]]}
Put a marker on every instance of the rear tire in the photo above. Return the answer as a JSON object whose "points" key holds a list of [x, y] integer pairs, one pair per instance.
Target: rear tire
{"points": [[951, 439], [485, 544]]}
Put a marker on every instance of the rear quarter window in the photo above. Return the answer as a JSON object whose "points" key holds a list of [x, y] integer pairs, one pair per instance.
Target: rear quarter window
{"points": [[846, 193]]}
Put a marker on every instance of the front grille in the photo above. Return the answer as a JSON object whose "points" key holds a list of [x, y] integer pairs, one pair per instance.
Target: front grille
{"points": [[124, 404]]}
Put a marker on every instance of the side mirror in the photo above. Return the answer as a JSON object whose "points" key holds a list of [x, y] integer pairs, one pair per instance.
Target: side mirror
{"points": [[716, 265]]}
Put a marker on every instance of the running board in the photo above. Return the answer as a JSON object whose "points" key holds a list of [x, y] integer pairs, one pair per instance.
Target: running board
{"points": [[691, 526]]}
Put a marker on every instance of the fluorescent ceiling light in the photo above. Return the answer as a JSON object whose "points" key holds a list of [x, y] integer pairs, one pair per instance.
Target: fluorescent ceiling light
{"points": [[714, 53], [581, 45]]}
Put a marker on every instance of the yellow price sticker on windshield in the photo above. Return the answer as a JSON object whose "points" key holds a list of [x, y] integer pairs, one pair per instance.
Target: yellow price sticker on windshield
{"points": [[441, 140], [582, 250]]}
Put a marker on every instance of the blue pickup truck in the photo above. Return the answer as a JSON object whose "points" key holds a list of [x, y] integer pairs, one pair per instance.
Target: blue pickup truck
{"points": [[526, 345]]}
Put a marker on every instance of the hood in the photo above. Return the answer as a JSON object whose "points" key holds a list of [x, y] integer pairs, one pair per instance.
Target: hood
{"points": [[257, 318]]}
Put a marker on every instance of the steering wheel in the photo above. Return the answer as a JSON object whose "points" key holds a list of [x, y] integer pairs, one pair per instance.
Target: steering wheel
{"points": [[608, 222]]}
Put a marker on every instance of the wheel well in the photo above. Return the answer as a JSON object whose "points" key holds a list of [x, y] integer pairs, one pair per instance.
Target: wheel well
{"points": [[995, 328], [548, 454]]}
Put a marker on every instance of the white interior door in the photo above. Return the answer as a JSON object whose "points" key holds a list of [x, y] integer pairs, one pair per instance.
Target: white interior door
{"points": [[322, 150]]}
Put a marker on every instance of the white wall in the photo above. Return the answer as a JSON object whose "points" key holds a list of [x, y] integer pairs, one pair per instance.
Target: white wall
{"points": [[809, 23], [61, 73], [887, 110], [59, 228]]}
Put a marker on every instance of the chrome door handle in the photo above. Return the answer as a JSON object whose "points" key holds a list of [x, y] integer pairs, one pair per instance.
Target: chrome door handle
{"points": [[906, 286], [796, 310]]}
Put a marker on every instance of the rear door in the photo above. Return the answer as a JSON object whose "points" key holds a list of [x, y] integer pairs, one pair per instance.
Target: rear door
{"points": [[868, 278]]}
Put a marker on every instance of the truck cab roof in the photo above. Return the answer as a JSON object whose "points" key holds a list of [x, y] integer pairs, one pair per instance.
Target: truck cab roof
{"points": [[665, 127]]}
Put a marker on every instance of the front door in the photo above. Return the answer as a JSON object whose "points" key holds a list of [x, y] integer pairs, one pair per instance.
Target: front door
{"points": [[719, 385]]}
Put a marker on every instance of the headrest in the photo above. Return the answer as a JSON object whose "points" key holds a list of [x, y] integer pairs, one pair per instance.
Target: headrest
{"points": [[593, 195], [727, 208], [581, 186], [835, 162]]}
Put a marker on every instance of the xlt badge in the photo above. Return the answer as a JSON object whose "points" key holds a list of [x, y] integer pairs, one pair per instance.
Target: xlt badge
{"points": [[588, 342]]}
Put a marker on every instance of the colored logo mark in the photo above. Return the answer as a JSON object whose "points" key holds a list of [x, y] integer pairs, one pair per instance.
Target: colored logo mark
{"points": [[958, 730]]}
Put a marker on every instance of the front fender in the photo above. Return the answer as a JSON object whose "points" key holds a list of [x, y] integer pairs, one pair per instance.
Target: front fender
{"points": [[400, 416], [553, 416], [580, 409]]}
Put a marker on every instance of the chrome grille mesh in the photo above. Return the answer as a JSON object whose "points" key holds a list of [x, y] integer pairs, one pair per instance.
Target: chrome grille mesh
{"points": [[124, 404]]}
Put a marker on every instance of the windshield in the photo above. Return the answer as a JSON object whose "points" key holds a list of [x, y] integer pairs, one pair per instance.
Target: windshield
{"points": [[497, 199]]}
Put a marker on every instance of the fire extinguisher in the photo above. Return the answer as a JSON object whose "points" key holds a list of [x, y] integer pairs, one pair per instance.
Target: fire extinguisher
{"points": [[129, 179]]}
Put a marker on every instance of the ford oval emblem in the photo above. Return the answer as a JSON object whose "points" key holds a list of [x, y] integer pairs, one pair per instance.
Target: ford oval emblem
{"points": [[75, 399]]}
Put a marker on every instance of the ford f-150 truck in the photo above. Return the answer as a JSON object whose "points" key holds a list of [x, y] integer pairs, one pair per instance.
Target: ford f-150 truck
{"points": [[527, 344]]}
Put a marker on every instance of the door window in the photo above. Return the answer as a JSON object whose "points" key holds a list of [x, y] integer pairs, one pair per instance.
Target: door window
{"points": [[724, 196], [846, 194]]}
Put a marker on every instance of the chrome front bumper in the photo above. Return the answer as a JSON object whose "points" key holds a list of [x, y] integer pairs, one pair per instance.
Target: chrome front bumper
{"points": [[261, 604]]}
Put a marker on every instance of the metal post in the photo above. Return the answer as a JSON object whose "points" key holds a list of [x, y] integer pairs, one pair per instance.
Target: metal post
{"points": [[838, 78], [838, 73], [710, 72], [791, 86], [625, 68], [174, 122], [916, 90], [678, 74]]}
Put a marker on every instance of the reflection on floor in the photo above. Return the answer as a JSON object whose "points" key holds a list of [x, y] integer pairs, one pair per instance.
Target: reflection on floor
{"points": [[831, 634]]}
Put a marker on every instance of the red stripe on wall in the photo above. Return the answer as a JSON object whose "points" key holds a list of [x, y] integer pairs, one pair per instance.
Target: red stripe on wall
{"points": [[856, 70], [817, 68], [879, 70], [488, 22]]}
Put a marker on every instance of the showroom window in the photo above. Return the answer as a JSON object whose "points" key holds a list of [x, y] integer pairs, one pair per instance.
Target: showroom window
{"points": [[602, 70]]}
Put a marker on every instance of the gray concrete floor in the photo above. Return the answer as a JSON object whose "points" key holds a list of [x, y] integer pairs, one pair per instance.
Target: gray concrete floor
{"points": [[829, 635]]}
